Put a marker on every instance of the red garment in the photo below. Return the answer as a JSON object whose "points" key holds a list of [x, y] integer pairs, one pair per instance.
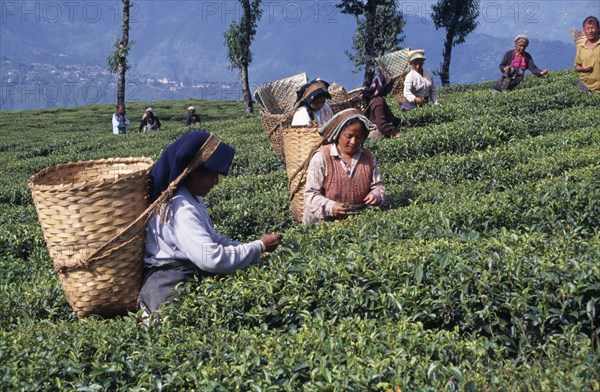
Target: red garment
{"points": [[339, 186]]}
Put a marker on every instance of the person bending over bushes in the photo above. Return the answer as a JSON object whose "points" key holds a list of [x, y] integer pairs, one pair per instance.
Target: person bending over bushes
{"points": [[342, 176], [181, 242], [378, 111]]}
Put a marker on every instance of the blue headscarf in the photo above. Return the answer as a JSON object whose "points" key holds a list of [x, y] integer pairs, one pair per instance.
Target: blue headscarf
{"points": [[177, 156]]}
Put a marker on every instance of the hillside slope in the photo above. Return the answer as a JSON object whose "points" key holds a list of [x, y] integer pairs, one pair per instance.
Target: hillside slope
{"points": [[480, 272]]}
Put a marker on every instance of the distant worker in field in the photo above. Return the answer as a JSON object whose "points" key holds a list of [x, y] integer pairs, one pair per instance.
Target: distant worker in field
{"points": [[514, 64], [342, 177], [149, 121], [312, 104], [377, 109], [587, 58], [120, 121], [181, 241], [192, 117], [419, 88]]}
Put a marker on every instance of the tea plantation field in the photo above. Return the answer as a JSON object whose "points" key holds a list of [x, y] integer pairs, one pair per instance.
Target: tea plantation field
{"points": [[480, 273]]}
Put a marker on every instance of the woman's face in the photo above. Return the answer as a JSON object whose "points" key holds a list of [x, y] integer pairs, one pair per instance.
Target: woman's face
{"points": [[520, 47], [200, 182], [318, 102], [351, 138]]}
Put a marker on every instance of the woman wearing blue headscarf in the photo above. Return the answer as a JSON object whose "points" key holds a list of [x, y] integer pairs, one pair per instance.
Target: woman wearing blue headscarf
{"points": [[181, 242]]}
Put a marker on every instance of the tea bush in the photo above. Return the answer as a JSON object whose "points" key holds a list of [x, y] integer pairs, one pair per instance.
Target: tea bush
{"points": [[480, 272]]}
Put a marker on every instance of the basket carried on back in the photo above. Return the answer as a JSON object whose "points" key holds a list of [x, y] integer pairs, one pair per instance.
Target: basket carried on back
{"points": [[396, 66], [298, 143], [277, 100], [341, 99], [578, 37], [85, 210]]}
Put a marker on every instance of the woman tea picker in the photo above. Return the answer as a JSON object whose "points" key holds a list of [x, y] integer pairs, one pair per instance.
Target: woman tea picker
{"points": [[312, 104], [342, 175], [181, 242]]}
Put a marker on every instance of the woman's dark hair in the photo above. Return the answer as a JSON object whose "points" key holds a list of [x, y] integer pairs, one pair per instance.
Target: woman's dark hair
{"points": [[353, 121]]}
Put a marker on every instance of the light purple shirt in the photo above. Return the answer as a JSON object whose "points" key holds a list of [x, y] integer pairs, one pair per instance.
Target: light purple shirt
{"points": [[188, 233]]}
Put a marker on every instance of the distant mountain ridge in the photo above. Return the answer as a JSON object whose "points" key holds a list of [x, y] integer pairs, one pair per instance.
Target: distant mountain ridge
{"points": [[182, 42]]}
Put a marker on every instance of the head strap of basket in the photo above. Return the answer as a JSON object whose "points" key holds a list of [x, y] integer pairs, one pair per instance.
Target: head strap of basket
{"points": [[308, 92], [330, 133], [193, 150]]}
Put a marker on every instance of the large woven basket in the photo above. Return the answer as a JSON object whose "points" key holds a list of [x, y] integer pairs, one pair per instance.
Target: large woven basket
{"points": [[394, 63], [273, 124], [298, 143], [276, 100], [578, 37], [398, 89], [396, 66], [84, 206], [341, 100]]}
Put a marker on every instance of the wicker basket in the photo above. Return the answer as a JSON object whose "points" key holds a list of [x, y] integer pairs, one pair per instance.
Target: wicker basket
{"points": [[277, 100], [341, 99], [398, 89], [394, 63], [273, 124], [298, 142], [578, 37], [84, 206]]}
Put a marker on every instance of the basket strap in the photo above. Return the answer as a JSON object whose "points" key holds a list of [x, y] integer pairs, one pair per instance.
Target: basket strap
{"points": [[128, 234]]}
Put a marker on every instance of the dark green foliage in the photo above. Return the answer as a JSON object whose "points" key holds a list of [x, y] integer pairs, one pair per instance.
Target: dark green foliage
{"points": [[480, 272]]}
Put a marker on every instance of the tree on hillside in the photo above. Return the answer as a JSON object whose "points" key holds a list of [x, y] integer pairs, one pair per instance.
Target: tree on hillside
{"points": [[117, 60], [379, 26], [238, 38], [459, 19]]}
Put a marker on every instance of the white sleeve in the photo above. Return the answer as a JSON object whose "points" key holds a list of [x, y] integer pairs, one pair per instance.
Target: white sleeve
{"points": [[407, 92], [301, 116], [195, 237]]}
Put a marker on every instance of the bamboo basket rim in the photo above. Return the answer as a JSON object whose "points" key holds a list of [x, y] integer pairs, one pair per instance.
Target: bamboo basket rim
{"points": [[32, 181]]}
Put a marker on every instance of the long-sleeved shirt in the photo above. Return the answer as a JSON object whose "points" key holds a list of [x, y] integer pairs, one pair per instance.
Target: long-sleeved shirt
{"points": [[188, 233], [529, 64], [317, 205], [119, 124], [417, 85]]}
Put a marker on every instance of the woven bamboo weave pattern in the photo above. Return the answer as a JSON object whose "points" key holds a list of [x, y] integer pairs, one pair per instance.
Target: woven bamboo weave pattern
{"points": [[398, 89], [341, 99], [298, 143], [277, 100], [83, 205], [394, 63], [578, 37], [278, 97]]}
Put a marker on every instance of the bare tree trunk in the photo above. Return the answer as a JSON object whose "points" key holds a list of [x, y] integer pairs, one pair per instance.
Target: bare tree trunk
{"points": [[246, 89], [122, 64], [370, 15], [447, 53]]}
